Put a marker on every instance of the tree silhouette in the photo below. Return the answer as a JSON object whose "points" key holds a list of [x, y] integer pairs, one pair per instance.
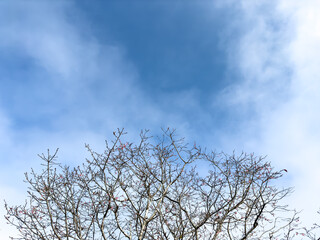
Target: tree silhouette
{"points": [[153, 190]]}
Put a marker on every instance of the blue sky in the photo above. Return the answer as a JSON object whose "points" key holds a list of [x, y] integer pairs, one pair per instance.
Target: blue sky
{"points": [[232, 75]]}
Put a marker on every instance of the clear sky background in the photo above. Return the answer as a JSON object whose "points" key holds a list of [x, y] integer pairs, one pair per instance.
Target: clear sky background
{"points": [[230, 74]]}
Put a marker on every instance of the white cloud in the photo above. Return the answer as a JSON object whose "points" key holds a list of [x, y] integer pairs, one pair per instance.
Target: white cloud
{"points": [[279, 93], [88, 84], [89, 90]]}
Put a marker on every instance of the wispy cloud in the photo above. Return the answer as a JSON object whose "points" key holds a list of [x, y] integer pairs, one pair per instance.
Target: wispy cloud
{"points": [[277, 97], [77, 91]]}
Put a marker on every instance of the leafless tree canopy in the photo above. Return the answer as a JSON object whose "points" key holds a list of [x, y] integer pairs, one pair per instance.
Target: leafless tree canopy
{"points": [[154, 191]]}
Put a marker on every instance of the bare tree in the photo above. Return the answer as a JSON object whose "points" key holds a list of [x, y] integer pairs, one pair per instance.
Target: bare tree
{"points": [[153, 190], [313, 232]]}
